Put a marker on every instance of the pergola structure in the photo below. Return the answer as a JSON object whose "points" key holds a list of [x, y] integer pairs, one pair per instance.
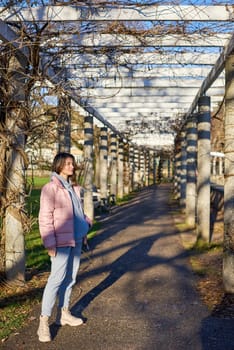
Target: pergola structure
{"points": [[149, 74], [139, 69]]}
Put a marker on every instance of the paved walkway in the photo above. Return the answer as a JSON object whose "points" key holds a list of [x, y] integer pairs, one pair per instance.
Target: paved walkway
{"points": [[136, 290]]}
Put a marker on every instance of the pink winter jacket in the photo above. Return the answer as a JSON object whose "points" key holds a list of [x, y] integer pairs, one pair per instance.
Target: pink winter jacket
{"points": [[56, 219]]}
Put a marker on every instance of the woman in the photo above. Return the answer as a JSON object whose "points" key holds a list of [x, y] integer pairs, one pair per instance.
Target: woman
{"points": [[63, 226]]}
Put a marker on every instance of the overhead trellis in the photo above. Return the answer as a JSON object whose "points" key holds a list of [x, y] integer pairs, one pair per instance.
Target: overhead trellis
{"points": [[139, 68]]}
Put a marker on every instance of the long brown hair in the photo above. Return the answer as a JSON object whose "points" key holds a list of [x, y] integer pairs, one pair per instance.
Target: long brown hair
{"points": [[59, 162]]}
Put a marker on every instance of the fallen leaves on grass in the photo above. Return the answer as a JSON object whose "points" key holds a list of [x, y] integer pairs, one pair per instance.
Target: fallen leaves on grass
{"points": [[208, 266]]}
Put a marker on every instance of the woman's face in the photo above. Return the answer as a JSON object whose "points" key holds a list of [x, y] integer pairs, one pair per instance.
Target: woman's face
{"points": [[68, 168]]}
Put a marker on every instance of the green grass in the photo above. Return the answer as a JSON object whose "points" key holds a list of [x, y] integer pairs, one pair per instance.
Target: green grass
{"points": [[16, 302], [126, 198], [201, 246]]}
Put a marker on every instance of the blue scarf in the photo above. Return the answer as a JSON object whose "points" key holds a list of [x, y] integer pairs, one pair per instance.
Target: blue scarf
{"points": [[81, 226]]}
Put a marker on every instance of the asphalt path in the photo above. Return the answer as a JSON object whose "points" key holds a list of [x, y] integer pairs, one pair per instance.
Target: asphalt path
{"points": [[135, 289]]}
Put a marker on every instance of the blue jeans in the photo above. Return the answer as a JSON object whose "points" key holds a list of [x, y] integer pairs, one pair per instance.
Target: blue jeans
{"points": [[64, 269]]}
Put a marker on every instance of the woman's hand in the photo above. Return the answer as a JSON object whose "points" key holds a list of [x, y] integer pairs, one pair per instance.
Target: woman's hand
{"points": [[52, 251], [89, 221]]}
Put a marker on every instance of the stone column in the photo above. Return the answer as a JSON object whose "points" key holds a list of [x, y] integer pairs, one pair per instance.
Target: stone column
{"points": [[120, 189], [97, 141], [154, 168], [177, 172], [64, 124], [88, 158], [183, 173], [131, 167], [126, 171], [203, 169], [150, 167], [113, 166], [14, 195], [136, 167], [214, 160], [147, 165], [169, 169], [103, 158], [142, 167], [191, 193], [14, 124], [228, 248], [220, 166]]}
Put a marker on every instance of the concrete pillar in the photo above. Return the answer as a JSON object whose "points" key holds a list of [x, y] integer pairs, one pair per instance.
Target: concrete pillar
{"points": [[14, 189], [64, 124], [88, 158], [154, 168], [150, 172], [177, 172], [228, 246], [214, 160], [168, 169], [203, 169], [126, 171], [113, 166], [97, 141], [103, 159], [147, 167], [142, 167], [12, 169], [136, 167], [183, 173], [191, 193], [120, 189], [220, 166], [131, 167]]}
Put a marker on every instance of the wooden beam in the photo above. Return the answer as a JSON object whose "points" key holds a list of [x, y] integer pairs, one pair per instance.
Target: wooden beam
{"points": [[119, 13], [86, 60], [122, 115], [10, 37], [135, 101], [102, 93], [124, 108], [130, 112], [140, 72], [213, 75], [142, 83], [124, 40]]}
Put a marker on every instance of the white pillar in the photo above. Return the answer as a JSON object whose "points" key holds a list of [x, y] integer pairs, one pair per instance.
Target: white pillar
{"points": [[88, 158], [191, 171], [103, 158], [120, 189], [203, 168]]}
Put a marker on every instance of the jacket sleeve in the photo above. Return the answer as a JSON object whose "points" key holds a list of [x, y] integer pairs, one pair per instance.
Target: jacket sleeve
{"points": [[46, 216]]}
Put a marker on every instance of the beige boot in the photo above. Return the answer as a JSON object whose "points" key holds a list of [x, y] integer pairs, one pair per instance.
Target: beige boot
{"points": [[65, 317], [43, 331]]}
